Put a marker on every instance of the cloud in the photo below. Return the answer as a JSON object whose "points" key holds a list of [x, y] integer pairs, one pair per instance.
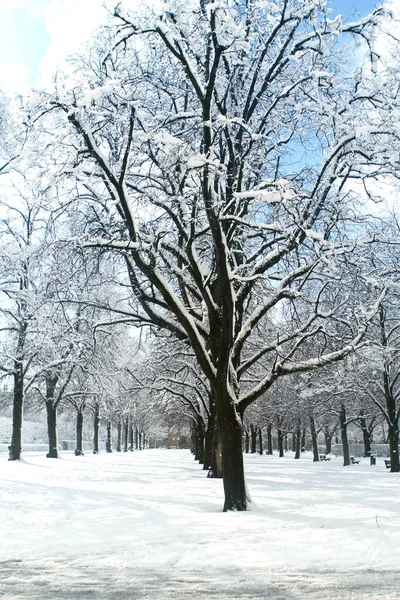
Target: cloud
{"points": [[14, 77], [70, 23]]}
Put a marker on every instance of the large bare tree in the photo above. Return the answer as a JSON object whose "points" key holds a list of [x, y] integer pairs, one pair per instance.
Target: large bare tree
{"points": [[213, 148]]}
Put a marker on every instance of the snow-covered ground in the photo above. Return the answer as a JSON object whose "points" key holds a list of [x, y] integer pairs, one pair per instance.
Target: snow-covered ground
{"points": [[148, 525]]}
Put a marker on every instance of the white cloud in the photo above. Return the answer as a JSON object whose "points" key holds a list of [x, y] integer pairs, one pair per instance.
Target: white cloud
{"points": [[14, 77], [70, 23]]}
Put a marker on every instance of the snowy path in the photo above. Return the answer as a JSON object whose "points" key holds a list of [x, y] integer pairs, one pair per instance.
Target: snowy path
{"points": [[35, 580], [148, 525]]}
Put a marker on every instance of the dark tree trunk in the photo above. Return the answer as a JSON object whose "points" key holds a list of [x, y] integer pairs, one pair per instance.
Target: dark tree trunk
{"points": [[260, 441], [392, 418], [328, 440], [216, 459], [136, 438], [345, 439], [140, 441], [79, 433], [208, 446], [270, 449], [131, 437], [280, 443], [51, 411], [297, 439], [109, 437], [314, 438], [96, 428], [366, 436], [246, 440], [15, 447], [303, 439], [253, 438], [230, 428], [126, 434], [119, 435], [200, 442], [393, 435], [209, 436]]}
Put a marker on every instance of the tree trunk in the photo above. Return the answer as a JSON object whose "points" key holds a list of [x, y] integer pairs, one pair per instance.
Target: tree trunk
{"points": [[51, 411], [119, 435], [345, 439], [246, 440], [216, 460], [79, 433], [260, 441], [297, 440], [131, 437], [270, 449], [303, 439], [109, 437], [15, 447], [328, 440], [392, 417], [200, 442], [253, 438], [126, 434], [136, 438], [96, 428], [314, 438], [230, 427], [366, 436], [280, 443]]}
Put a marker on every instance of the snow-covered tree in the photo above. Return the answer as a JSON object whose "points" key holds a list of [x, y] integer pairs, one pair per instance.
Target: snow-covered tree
{"points": [[212, 147]]}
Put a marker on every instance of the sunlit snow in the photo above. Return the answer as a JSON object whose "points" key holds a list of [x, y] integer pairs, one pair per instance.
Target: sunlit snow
{"points": [[150, 523]]}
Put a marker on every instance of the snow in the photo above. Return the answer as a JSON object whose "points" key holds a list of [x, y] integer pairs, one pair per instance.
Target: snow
{"points": [[150, 524]]}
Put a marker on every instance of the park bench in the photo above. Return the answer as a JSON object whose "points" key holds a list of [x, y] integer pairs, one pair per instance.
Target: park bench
{"points": [[388, 463], [353, 460], [324, 457]]}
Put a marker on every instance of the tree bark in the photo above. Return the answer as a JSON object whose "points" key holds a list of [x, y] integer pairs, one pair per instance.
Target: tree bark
{"points": [[15, 447], [246, 440], [270, 449], [253, 438], [109, 437], [314, 438], [51, 411], [280, 443], [231, 430], [119, 435], [137, 438], [345, 439], [366, 436], [297, 441], [303, 439], [126, 434], [391, 417], [79, 433], [200, 441], [216, 460], [328, 440], [260, 441], [96, 428], [131, 437]]}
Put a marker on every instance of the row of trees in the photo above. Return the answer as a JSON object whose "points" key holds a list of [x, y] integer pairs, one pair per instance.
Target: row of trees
{"points": [[218, 164]]}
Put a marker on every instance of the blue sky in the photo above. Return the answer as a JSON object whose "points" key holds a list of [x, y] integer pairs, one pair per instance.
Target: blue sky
{"points": [[34, 31]]}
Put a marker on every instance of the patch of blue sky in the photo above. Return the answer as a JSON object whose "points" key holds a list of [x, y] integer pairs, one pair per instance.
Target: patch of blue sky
{"points": [[23, 34], [24, 37]]}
